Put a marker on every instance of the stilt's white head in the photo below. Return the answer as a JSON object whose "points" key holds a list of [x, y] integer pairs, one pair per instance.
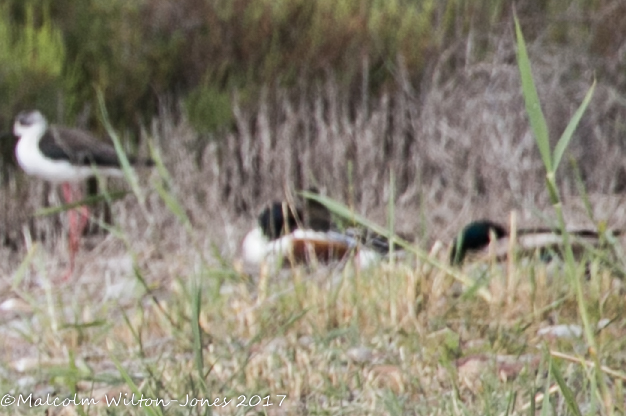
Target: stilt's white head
{"points": [[30, 122]]}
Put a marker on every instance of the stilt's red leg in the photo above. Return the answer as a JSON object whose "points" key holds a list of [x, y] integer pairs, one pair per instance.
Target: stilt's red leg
{"points": [[78, 218]]}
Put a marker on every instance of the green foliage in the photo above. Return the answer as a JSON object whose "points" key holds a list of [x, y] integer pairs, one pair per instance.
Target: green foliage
{"points": [[31, 62], [107, 52], [36, 49], [31, 56], [209, 109]]}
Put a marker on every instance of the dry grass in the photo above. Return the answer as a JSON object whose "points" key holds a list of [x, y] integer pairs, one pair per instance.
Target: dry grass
{"points": [[335, 341], [154, 307]]}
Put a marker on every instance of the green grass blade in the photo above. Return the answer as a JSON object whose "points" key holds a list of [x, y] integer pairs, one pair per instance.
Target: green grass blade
{"points": [[571, 127], [545, 405], [196, 307], [533, 405], [23, 267], [567, 393], [149, 410], [129, 173], [540, 129], [510, 406], [346, 213], [391, 219], [173, 205], [342, 211], [531, 98], [164, 187]]}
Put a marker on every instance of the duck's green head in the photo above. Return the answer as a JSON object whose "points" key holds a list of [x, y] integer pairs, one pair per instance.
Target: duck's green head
{"points": [[475, 236]]}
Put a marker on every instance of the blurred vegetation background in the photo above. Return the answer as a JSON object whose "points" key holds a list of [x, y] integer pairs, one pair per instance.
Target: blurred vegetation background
{"points": [[55, 54], [205, 61]]}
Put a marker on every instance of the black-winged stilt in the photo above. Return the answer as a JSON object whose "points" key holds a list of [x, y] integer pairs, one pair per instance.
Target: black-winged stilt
{"points": [[66, 156]]}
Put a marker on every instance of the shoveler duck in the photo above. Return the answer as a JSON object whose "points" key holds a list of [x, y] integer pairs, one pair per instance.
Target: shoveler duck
{"points": [[67, 156], [477, 237], [287, 235]]}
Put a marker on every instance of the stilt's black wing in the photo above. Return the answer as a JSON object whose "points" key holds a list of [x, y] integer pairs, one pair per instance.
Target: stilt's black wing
{"points": [[80, 148]]}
